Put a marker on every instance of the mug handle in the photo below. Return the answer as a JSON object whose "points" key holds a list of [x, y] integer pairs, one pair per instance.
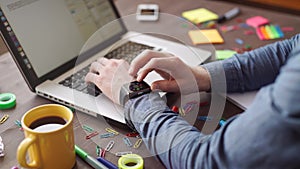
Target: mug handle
{"points": [[22, 150]]}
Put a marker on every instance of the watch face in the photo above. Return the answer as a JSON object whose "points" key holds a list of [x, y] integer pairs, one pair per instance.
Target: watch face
{"points": [[138, 86]]}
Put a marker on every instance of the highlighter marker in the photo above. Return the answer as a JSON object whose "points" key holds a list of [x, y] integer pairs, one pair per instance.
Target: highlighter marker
{"points": [[107, 163], [90, 160], [229, 15]]}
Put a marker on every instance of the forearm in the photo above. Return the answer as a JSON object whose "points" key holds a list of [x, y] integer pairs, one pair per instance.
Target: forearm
{"points": [[254, 69], [175, 142], [243, 142]]}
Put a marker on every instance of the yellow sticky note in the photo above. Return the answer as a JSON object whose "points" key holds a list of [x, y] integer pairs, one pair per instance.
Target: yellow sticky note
{"points": [[199, 15], [205, 36]]}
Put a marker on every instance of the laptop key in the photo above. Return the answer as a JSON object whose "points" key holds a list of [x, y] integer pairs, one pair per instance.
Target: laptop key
{"points": [[81, 87], [93, 89]]}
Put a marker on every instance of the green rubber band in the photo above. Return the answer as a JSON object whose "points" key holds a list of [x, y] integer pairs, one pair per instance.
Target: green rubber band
{"points": [[7, 100]]}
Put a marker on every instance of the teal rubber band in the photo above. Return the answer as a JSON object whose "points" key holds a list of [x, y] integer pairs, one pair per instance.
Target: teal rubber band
{"points": [[7, 100]]}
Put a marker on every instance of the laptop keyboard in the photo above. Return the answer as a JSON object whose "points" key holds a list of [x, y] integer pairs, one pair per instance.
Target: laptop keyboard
{"points": [[127, 51]]}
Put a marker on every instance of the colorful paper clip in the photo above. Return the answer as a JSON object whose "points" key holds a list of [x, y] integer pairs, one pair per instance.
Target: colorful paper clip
{"points": [[109, 145], [91, 135], [119, 154], [205, 118], [98, 150], [127, 141], [107, 135], [189, 106], [175, 109], [112, 131], [18, 123], [102, 153], [203, 104], [239, 41], [4, 118], [134, 134], [181, 112], [1, 148], [87, 128], [138, 143], [222, 122]]}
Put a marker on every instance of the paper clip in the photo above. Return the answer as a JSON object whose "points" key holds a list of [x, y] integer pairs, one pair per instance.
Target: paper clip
{"points": [[181, 112], [133, 134], [98, 150], [4, 118], [203, 104], [119, 154], [87, 128], [91, 135], [106, 135], [127, 141], [204, 118], [187, 108], [102, 153], [112, 131], [1, 148], [109, 145], [222, 122], [137, 144], [18, 123], [175, 109]]}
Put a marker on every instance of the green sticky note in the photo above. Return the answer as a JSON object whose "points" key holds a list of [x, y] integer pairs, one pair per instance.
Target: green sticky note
{"points": [[224, 54], [270, 32], [273, 29]]}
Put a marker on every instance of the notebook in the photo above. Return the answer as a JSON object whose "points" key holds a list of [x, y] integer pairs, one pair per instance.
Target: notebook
{"points": [[45, 38]]}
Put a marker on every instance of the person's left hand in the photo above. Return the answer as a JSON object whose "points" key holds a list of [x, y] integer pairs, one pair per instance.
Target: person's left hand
{"points": [[109, 75]]}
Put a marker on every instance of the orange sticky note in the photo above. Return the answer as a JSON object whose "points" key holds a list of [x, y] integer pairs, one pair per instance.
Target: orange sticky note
{"points": [[205, 36]]}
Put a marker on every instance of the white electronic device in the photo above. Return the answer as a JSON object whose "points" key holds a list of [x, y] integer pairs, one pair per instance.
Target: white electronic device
{"points": [[147, 12]]}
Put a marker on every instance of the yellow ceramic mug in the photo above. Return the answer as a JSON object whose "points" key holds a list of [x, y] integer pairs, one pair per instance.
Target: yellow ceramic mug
{"points": [[49, 138]]}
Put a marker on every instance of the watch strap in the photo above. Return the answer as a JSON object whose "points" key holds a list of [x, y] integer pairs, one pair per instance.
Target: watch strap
{"points": [[124, 94]]}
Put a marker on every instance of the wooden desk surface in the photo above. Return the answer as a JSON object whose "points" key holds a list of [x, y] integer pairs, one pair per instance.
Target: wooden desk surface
{"points": [[12, 81]]}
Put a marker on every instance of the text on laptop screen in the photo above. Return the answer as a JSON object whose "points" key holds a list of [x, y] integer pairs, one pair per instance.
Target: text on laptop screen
{"points": [[52, 32]]}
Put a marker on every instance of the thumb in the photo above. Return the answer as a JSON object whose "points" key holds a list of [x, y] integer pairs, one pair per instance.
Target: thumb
{"points": [[165, 86]]}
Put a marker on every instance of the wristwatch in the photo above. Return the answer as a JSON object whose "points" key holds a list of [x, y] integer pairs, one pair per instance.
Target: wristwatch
{"points": [[132, 90]]}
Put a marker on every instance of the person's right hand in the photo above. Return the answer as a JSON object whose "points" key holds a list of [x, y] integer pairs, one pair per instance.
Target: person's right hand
{"points": [[178, 77]]}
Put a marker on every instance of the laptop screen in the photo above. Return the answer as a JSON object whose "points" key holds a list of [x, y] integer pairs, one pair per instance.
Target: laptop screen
{"points": [[49, 33]]}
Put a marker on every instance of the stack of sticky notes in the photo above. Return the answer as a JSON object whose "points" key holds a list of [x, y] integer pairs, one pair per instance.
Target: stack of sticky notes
{"points": [[199, 15], [268, 32], [205, 36], [264, 30], [257, 21]]}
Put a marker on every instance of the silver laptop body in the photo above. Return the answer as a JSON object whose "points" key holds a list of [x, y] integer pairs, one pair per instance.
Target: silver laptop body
{"points": [[46, 40]]}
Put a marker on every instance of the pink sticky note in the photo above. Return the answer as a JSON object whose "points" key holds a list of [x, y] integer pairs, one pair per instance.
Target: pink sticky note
{"points": [[257, 21], [260, 34]]}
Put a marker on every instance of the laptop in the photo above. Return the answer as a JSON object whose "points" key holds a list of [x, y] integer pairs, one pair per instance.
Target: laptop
{"points": [[242, 100], [45, 38]]}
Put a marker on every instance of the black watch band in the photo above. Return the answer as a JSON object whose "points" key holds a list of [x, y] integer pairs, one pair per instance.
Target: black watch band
{"points": [[132, 90]]}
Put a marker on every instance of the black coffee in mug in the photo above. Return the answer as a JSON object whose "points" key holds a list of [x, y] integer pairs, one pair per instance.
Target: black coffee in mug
{"points": [[47, 124]]}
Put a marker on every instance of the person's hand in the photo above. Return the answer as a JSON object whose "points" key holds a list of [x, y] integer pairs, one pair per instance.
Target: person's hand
{"points": [[178, 77], [109, 75]]}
